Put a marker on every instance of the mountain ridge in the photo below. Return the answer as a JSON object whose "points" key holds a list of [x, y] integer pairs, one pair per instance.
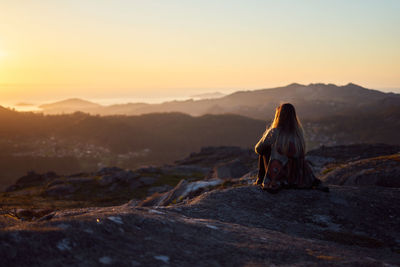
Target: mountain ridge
{"points": [[328, 99]]}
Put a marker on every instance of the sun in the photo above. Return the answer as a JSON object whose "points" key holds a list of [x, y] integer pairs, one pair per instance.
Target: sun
{"points": [[2, 53]]}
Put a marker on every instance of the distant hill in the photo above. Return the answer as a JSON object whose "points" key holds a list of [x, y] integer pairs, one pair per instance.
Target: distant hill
{"points": [[312, 101], [208, 95], [23, 104], [70, 106]]}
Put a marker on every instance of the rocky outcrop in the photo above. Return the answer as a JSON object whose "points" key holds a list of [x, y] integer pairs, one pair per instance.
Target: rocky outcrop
{"points": [[203, 211], [354, 152], [182, 190], [108, 186], [60, 190], [32, 179], [326, 157], [238, 226], [231, 169], [213, 156], [349, 165], [378, 171]]}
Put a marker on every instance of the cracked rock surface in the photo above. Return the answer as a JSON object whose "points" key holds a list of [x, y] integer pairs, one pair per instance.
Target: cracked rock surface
{"points": [[238, 226]]}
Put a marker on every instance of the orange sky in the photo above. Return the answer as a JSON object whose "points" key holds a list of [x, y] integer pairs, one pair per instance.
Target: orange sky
{"points": [[59, 49]]}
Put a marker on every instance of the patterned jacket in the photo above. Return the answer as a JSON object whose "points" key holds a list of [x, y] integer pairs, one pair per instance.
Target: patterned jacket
{"points": [[289, 170]]}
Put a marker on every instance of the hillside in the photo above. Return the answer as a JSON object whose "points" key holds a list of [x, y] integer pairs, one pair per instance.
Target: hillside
{"points": [[81, 142], [70, 106], [206, 220], [208, 95]]}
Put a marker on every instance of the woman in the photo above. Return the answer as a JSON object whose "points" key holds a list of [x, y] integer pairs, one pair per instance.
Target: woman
{"points": [[281, 152]]}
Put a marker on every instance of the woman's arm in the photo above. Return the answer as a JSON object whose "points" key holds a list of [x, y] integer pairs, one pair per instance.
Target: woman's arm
{"points": [[264, 144], [260, 146]]}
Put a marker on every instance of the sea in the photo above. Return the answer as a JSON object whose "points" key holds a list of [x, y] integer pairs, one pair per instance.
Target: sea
{"points": [[34, 106]]}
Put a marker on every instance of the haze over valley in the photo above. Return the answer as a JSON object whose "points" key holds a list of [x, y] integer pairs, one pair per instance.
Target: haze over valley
{"points": [[78, 135]]}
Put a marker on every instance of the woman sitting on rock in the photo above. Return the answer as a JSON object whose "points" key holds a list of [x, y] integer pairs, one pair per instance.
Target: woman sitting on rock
{"points": [[281, 152]]}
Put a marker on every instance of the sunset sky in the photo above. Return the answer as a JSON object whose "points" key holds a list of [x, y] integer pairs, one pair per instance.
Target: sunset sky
{"points": [[98, 49]]}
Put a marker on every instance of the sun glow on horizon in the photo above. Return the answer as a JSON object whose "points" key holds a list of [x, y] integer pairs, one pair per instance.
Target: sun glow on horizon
{"points": [[123, 48]]}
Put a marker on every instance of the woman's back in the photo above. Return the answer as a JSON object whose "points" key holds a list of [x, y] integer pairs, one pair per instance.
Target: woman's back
{"points": [[282, 148]]}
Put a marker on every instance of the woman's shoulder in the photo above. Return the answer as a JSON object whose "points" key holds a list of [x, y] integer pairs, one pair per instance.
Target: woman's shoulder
{"points": [[272, 133]]}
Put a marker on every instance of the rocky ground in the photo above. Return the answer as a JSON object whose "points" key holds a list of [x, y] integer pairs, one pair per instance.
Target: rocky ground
{"points": [[203, 211]]}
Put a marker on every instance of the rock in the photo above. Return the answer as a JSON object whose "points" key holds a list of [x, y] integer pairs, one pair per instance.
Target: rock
{"points": [[108, 180], [159, 189], [79, 180], [211, 156], [241, 226], [185, 170], [12, 188], [56, 182], [182, 190], [148, 169], [133, 184], [114, 187], [232, 169], [162, 258], [31, 179], [135, 263], [126, 176], [109, 170], [105, 260], [64, 245], [60, 190], [249, 177], [345, 153], [130, 176], [116, 219], [324, 158], [147, 180], [31, 214], [318, 163], [118, 186], [119, 176], [378, 171]]}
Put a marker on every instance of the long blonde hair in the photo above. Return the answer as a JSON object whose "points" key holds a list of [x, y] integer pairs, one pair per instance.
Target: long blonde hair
{"points": [[289, 129]]}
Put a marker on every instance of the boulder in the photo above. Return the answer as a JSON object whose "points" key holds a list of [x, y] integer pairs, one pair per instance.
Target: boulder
{"points": [[31, 214], [211, 156], [147, 180], [119, 176], [60, 190], [56, 182], [79, 180], [109, 170], [148, 169], [346, 153], [378, 171], [128, 176], [133, 184], [159, 189], [32, 178], [185, 170], [113, 187], [232, 169], [182, 190], [108, 179]]}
